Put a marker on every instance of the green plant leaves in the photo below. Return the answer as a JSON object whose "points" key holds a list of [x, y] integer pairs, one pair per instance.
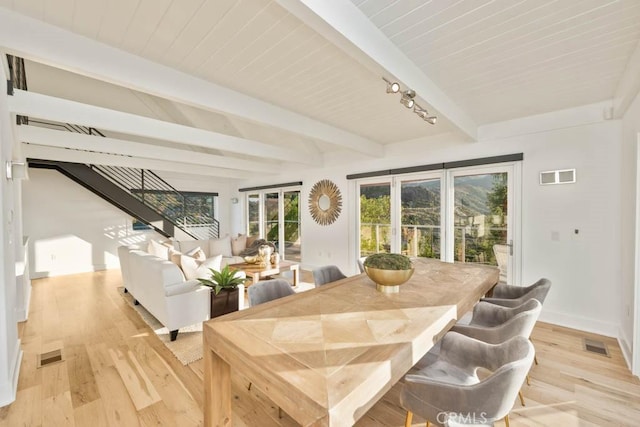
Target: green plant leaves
{"points": [[226, 278]]}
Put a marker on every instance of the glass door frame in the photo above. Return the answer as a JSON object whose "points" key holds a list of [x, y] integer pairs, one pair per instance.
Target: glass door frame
{"points": [[514, 202], [395, 184], [398, 180], [447, 202], [261, 212]]}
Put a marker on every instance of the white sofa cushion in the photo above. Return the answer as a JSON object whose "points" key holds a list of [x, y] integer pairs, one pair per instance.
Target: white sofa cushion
{"points": [[238, 244], [158, 249], [220, 247], [193, 269]]}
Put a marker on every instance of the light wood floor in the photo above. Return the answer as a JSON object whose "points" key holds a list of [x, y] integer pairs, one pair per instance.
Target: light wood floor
{"points": [[116, 372]]}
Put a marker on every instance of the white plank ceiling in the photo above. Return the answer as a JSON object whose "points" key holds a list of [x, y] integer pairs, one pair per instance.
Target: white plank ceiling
{"points": [[496, 59]]}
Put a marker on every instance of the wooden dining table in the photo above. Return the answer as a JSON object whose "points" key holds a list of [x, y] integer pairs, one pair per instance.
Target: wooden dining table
{"points": [[327, 355]]}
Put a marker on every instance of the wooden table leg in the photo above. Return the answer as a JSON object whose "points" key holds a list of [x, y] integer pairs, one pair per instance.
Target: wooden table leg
{"points": [[217, 390], [296, 274]]}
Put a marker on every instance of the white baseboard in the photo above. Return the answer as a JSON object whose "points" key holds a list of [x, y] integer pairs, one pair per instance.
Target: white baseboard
{"points": [[22, 313], [9, 389], [581, 323], [626, 348]]}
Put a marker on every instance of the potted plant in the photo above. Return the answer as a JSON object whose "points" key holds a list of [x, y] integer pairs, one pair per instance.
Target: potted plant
{"points": [[388, 271], [224, 290]]}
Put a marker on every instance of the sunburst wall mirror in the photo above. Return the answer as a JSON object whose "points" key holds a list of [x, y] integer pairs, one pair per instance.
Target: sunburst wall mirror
{"points": [[325, 202]]}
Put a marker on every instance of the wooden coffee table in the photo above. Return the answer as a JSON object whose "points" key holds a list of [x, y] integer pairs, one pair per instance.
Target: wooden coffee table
{"points": [[257, 273]]}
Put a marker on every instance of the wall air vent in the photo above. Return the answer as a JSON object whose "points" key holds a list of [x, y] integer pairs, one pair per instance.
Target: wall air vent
{"points": [[564, 176]]}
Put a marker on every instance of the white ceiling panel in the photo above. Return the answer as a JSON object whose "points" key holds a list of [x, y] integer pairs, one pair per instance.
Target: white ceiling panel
{"points": [[143, 24], [173, 23], [87, 17], [115, 21], [495, 59]]}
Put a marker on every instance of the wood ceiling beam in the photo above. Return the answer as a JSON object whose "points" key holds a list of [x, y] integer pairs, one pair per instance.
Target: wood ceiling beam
{"points": [[50, 45], [342, 23], [629, 85], [64, 111], [66, 155], [77, 141]]}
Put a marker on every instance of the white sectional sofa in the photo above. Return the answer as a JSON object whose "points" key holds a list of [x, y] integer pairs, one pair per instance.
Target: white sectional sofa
{"points": [[159, 285]]}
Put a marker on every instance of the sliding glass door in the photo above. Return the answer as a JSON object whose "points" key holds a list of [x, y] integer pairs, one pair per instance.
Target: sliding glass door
{"points": [[481, 217], [420, 216], [375, 218], [456, 215]]}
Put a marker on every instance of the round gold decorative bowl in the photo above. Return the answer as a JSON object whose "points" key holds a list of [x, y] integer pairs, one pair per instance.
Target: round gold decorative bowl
{"points": [[388, 281]]}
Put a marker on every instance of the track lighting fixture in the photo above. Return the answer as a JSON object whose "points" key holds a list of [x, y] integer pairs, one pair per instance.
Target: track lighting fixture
{"points": [[408, 101], [424, 114], [392, 87]]}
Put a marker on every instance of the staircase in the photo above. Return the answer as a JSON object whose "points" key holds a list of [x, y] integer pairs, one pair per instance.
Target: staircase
{"points": [[140, 193]]}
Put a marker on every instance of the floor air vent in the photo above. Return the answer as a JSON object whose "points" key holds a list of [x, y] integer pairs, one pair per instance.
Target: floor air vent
{"points": [[49, 357], [597, 347]]}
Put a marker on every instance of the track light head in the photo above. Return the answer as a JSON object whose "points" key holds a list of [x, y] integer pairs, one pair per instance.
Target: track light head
{"points": [[407, 98], [393, 87], [431, 120], [421, 112]]}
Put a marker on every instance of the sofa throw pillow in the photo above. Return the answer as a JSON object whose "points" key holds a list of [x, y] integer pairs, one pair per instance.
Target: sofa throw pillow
{"points": [[220, 247], [174, 257], [203, 271], [194, 269], [197, 253], [238, 244], [158, 249], [189, 266]]}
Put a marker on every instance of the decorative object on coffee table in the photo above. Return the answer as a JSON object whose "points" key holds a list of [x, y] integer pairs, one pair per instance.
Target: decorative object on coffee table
{"points": [[264, 255], [325, 202], [388, 271], [224, 290]]}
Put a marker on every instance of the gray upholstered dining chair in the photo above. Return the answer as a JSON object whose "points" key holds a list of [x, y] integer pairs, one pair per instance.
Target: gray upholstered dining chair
{"points": [[450, 389], [361, 264], [495, 324], [327, 274], [268, 290], [513, 296]]}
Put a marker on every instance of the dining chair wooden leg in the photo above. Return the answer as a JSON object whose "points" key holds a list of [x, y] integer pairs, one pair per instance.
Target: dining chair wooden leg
{"points": [[521, 397], [279, 412], [407, 421], [249, 388], [506, 420], [428, 423], [528, 380], [535, 359]]}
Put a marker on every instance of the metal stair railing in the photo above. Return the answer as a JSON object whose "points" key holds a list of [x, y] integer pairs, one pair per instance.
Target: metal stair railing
{"points": [[159, 195]]}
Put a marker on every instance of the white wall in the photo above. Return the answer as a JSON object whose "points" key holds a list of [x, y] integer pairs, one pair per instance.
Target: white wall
{"points": [[10, 353], [72, 230], [584, 268], [628, 190]]}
